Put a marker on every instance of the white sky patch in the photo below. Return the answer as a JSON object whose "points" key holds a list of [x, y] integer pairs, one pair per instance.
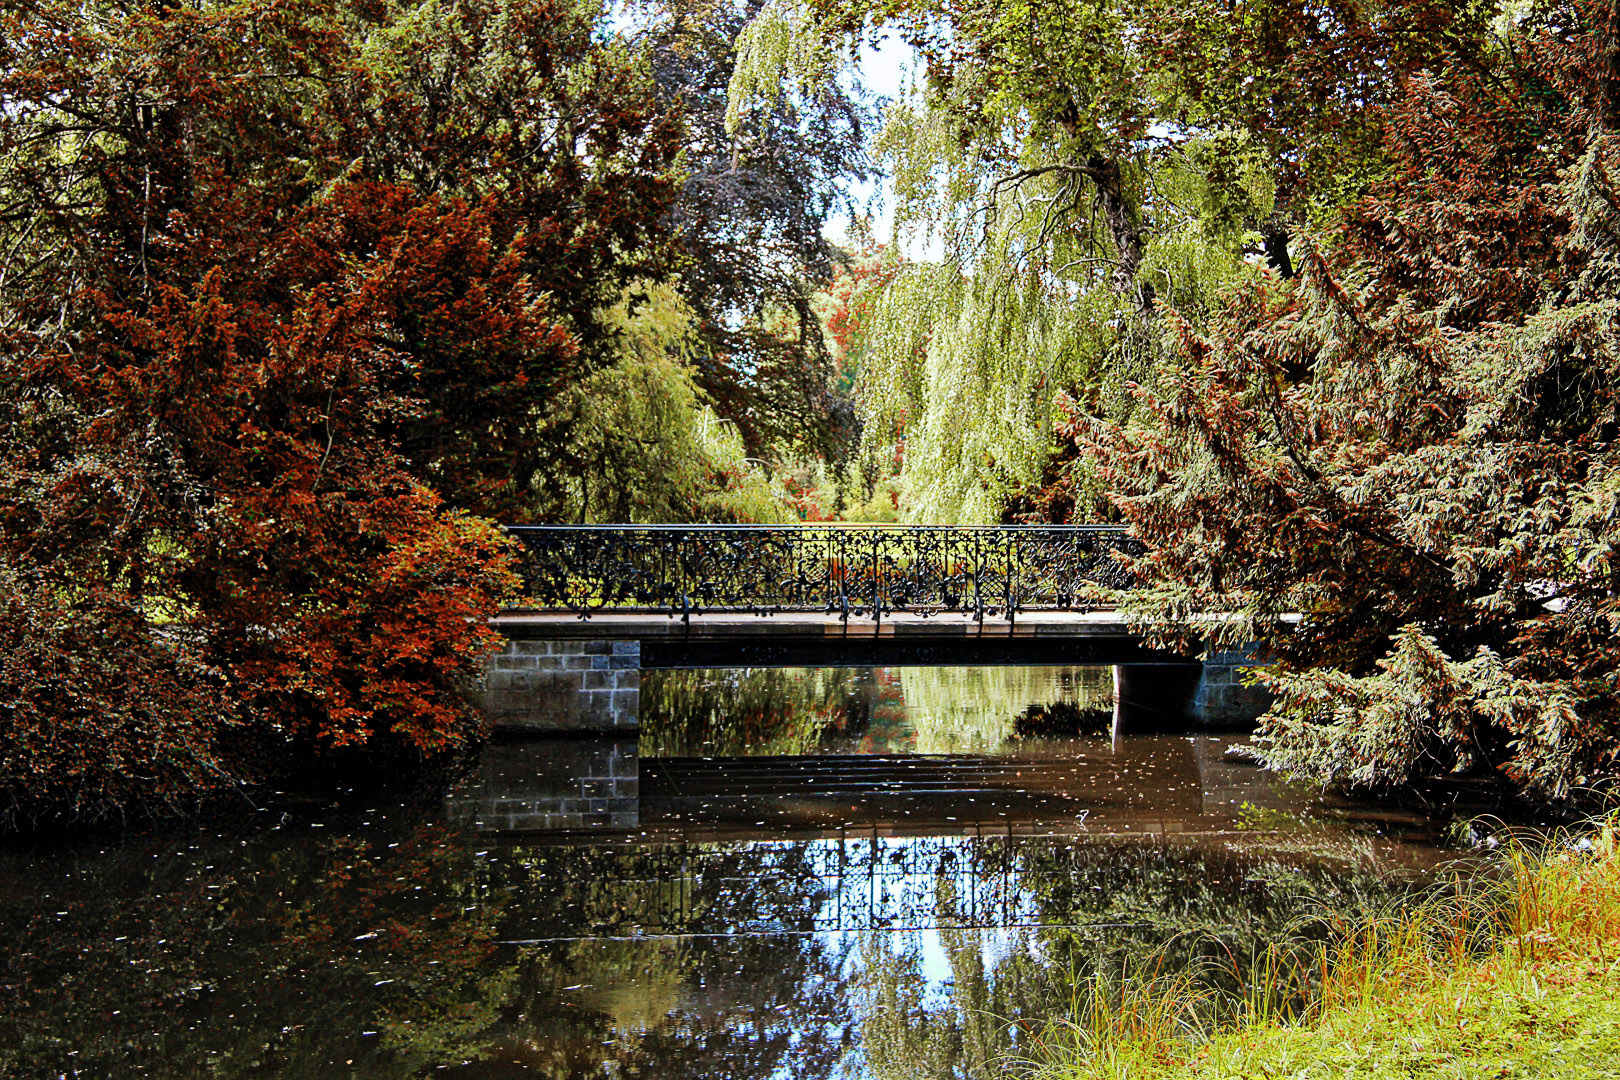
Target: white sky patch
{"points": [[887, 71]]}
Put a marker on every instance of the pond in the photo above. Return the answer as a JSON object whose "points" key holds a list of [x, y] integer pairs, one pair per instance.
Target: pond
{"points": [[835, 872]]}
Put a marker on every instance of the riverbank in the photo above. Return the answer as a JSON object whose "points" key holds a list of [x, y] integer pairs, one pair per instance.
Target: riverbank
{"points": [[1518, 979]]}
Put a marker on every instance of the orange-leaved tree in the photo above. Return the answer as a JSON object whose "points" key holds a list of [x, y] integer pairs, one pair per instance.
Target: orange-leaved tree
{"points": [[284, 292]]}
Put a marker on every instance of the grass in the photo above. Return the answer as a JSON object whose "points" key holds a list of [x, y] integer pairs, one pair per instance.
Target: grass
{"points": [[1517, 977]]}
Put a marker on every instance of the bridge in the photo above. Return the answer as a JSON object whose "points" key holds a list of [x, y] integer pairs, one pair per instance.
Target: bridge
{"points": [[849, 571], [600, 603], [712, 595]]}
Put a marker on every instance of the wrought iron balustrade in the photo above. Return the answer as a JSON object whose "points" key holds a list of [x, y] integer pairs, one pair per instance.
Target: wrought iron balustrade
{"points": [[837, 569]]}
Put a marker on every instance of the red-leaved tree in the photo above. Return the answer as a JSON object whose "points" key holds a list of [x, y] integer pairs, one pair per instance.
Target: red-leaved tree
{"points": [[285, 291]]}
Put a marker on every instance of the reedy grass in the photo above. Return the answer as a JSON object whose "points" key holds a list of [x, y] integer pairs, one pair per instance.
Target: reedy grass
{"points": [[1514, 973]]}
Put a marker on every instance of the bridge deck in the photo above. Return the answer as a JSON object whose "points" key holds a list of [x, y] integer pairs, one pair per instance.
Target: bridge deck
{"points": [[617, 625]]}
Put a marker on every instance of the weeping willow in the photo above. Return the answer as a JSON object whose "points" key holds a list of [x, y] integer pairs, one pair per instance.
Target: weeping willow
{"points": [[975, 404], [967, 361], [643, 446], [1039, 301]]}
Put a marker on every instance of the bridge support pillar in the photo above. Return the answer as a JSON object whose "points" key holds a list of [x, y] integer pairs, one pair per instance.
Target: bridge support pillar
{"points": [[540, 686], [557, 782], [1221, 696]]}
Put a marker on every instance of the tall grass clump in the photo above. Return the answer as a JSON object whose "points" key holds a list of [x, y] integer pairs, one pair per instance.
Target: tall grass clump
{"points": [[1516, 966]]}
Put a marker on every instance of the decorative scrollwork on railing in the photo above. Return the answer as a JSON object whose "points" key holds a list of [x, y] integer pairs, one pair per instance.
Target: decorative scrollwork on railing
{"points": [[860, 570]]}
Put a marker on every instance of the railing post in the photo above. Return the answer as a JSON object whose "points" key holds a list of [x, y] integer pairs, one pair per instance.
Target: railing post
{"points": [[877, 589], [1013, 555], [978, 571], [680, 581], [842, 564]]}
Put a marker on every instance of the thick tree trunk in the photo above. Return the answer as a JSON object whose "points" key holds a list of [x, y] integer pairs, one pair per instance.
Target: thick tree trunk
{"points": [[1125, 230], [1275, 238]]}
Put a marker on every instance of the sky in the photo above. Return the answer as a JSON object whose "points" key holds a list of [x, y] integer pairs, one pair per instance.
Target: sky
{"points": [[884, 71]]}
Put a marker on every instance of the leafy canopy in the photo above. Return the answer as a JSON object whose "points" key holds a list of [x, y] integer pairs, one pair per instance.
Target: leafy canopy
{"points": [[286, 291]]}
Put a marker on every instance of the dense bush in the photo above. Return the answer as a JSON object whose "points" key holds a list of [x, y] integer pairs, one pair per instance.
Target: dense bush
{"points": [[97, 712]]}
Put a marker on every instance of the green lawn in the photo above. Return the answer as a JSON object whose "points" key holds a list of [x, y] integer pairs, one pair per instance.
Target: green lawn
{"points": [[1522, 981]]}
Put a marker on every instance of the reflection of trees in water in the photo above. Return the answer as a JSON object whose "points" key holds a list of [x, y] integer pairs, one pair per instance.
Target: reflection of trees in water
{"points": [[273, 956], [1153, 911], [910, 1030], [651, 1008], [716, 1003], [958, 710], [297, 955], [293, 954], [934, 710], [722, 712]]}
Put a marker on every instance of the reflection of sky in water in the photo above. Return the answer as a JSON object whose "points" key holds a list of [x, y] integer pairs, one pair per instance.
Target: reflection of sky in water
{"points": [[894, 908]]}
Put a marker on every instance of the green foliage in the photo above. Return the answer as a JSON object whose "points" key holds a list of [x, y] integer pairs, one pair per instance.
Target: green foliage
{"points": [[820, 492], [986, 406], [641, 445], [1411, 719], [1085, 164], [779, 40], [748, 249], [1412, 444], [1066, 216]]}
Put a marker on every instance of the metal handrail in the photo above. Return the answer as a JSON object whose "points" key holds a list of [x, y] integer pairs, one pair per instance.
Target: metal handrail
{"points": [[854, 526], [837, 568]]}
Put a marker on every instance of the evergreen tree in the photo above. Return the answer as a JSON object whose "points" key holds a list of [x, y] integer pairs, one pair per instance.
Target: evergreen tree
{"points": [[1412, 444]]}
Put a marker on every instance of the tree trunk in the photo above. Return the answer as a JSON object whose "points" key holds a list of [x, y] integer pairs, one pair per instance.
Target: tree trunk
{"points": [[1275, 238], [1125, 230]]}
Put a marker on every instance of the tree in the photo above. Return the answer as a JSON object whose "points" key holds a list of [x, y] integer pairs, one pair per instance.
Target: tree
{"points": [[1088, 163], [1412, 444], [748, 226], [285, 292], [642, 444]]}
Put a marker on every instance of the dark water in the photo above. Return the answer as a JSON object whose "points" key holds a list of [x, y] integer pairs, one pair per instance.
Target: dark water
{"points": [[850, 873]]}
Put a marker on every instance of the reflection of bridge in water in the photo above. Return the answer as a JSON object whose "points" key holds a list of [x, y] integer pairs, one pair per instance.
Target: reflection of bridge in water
{"points": [[599, 785], [771, 846]]}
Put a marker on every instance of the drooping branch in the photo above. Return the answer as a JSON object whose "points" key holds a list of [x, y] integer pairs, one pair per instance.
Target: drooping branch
{"points": [[1118, 214]]}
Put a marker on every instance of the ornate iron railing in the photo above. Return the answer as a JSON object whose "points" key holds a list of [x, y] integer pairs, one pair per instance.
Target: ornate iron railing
{"points": [[860, 570]]}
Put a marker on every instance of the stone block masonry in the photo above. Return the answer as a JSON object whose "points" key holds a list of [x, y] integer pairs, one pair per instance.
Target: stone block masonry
{"points": [[560, 782], [537, 685], [1221, 696]]}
